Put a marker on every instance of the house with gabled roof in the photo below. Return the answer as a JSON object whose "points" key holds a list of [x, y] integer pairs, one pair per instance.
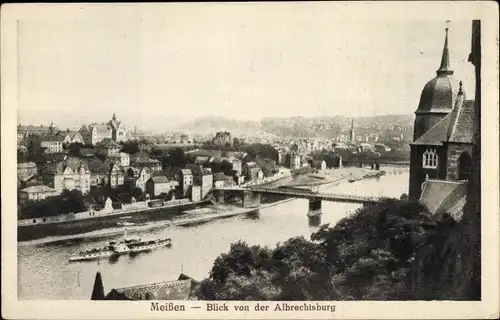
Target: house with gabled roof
{"points": [[109, 147], [36, 193], [71, 173], [138, 177], [52, 143], [118, 131], [94, 133], [71, 136], [159, 184]]}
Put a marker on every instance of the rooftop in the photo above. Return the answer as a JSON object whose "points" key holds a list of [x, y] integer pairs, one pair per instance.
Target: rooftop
{"points": [[38, 189], [169, 290], [26, 165], [443, 196], [159, 179]]}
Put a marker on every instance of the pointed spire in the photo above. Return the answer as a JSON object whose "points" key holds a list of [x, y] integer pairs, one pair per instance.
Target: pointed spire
{"points": [[114, 116], [444, 69], [98, 290], [460, 91]]}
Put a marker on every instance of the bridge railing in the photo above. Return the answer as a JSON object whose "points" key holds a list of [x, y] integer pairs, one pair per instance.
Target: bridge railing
{"points": [[305, 193]]}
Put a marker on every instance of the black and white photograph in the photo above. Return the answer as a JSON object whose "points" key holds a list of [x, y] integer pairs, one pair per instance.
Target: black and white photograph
{"points": [[185, 157]]}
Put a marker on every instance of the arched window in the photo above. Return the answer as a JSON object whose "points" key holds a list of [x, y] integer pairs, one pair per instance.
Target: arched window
{"points": [[464, 166], [430, 159]]}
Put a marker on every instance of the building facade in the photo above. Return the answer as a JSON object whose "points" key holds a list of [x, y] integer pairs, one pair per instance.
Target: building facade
{"points": [[118, 131], [52, 143], [26, 169], [157, 185], [294, 160], [94, 133], [186, 181], [109, 148], [69, 174], [37, 193], [138, 177]]}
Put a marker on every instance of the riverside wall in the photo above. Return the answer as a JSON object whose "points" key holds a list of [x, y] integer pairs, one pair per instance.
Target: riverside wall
{"points": [[71, 224]]}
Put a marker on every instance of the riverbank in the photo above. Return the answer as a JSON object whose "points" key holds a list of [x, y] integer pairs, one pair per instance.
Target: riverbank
{"points": [[217, 211], [326, 177], [331, 177]]}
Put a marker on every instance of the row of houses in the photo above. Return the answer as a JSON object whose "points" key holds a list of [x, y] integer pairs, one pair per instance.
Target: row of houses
{"points": [[53, 139]]}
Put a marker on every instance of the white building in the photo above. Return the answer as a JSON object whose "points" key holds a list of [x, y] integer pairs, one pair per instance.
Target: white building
{"points": [[37, 193]]}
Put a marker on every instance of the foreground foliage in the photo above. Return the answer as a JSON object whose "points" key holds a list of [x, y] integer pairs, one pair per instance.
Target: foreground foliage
{"points": [[369, 255]]}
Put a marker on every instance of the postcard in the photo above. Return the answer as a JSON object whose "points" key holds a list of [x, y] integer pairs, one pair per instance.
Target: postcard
{"points": [[250, 160]]}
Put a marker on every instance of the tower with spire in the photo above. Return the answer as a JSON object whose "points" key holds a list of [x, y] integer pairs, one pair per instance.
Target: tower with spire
{"points": [[440, 159], [352, 134], [437, 97]]}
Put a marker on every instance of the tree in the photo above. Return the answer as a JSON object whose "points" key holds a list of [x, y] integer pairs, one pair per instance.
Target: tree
{"points": [[130, 146], [369, 255], [263, 151], [21, 157], [75, 149]]}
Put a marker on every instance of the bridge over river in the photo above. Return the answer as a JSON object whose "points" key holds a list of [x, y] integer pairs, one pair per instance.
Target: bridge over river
{"points": [[251, 196]]}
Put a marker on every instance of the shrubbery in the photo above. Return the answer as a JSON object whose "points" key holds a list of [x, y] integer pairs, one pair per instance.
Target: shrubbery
{"points": [[367, 256]]}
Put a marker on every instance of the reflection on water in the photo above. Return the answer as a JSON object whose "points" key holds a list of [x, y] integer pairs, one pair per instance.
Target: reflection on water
{"points": [[314, 221], [45, 273]]}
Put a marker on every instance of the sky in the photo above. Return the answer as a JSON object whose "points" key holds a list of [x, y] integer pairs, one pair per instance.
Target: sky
{"points": [[157, 68]]}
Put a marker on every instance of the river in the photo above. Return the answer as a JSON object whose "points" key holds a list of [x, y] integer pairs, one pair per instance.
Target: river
{"points": [[45, 274]]}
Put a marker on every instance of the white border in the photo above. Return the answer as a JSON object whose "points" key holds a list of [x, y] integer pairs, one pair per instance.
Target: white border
{"points": [[487, 308]]}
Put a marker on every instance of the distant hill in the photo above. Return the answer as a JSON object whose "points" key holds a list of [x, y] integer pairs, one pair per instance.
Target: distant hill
{"points": [[213, 124], [302, 126]]}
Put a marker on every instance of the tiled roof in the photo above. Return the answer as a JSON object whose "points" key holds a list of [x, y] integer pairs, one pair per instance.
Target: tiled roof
{"points": [[461, 127], [435, 135], [171, 290], [440, 196], [159, 179], [26, 178], [98, 166], [35, 128], [251, 164], [108, 143], [69, 133], [38, 189], [54, 138], [59, 167], [196, 169], [101, 128], [200, 159], [457, 210], [233, 159], [26, 165], [186, 171], [219, 176]]}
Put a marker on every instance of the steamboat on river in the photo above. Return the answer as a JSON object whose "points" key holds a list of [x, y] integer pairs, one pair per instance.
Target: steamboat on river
{"points": [[117, 248]]}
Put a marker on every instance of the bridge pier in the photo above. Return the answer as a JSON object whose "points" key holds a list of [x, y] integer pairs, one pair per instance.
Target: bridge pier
{"points": [[368, 204], [220, 196], [314, 207], [251, 199]]}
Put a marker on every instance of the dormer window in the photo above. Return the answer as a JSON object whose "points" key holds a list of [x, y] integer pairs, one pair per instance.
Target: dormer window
{"points": [[430, 159]]}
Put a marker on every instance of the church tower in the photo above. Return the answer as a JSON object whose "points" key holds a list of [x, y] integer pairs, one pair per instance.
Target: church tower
{"points": [[428, 157], [438, 96], [352, 135]]}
